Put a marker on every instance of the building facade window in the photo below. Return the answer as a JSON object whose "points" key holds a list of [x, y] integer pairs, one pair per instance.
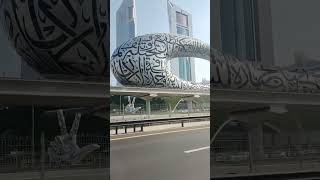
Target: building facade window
{"points": [[130, 13], [239, 30], [184, 63], [251, 30], [188, 68], [131, 30], [182, 30], [182, 68], [182, 19], [185, 69]]}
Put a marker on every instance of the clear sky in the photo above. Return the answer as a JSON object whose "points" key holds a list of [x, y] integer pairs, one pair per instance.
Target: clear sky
{"points": [[200, 10]]}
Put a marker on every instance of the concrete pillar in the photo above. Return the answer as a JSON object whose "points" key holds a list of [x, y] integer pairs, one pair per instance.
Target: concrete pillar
{"points": [[148, 100], [123, 111], [190, 101], [189, 104], [255, 133], [148, 107], [255, 120]]}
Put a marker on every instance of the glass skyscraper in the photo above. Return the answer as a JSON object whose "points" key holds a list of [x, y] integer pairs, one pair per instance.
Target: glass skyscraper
{"points": [[244, 28], [183, 26], [140, 17], [238, 28]]}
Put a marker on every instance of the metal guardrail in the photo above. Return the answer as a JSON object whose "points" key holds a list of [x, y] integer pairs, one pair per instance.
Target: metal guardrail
{"points": [[141, 124], [287, 176], [230, 159], [157, 109]]}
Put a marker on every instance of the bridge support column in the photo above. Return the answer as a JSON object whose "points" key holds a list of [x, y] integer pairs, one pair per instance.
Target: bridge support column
{"points": [[190, 101], [148, 102], [255, 134], [255, 120], [189, 104], [148, 107]]}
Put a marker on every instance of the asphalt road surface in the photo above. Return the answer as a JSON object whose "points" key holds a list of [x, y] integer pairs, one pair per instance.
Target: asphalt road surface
{"points": [[176, 154]]}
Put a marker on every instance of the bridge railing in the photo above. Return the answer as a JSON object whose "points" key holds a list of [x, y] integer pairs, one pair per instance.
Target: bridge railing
{"points": [[135, 126], [231, 157], [16, 154], [164, 109]]}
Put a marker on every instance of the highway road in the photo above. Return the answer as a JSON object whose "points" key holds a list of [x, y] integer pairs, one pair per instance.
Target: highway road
{"points": [[167, 154], [175, 154]]}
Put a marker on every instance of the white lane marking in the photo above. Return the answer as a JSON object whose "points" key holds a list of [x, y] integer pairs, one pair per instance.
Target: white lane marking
{"points": [[198, 149], [153, 134]]}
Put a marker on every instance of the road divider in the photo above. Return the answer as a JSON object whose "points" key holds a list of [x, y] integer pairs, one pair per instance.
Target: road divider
{"points": [[139, 125]]}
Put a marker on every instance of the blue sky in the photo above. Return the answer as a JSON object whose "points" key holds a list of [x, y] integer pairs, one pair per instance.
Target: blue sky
{"points": [[200, 10]]}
